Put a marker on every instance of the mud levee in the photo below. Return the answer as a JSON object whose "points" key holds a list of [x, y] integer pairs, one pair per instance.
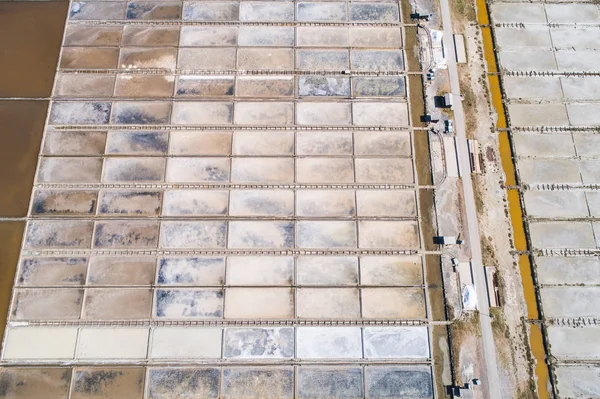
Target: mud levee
{"points": [[30, 37]]}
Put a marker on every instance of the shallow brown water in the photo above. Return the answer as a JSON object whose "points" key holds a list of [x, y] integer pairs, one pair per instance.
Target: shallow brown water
{"points": [[10, 242], [20, 136], [30, 38]]}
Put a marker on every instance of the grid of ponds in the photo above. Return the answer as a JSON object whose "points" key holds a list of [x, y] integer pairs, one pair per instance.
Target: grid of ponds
{"points": [[225, 195]]}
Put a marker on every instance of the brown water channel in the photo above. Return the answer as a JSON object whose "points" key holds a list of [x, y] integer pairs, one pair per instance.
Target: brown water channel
{"points": [[536, 340], [30, 38]]}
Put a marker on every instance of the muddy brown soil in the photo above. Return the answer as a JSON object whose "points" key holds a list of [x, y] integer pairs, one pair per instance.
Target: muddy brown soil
{"points": [[422, 157], [426, 211], [435, 286], [30, 38]]}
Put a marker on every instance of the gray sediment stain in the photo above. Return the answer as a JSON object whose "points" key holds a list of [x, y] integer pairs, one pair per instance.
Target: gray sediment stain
{"points": [[26, 382], [327, 383], [280, 11], [201, 11], [262, 235], [319, 143], [189, 303], [134, 169], [205, 87], [399, 382], [153, 10], [198, 169], [201, 234], [266, 205], [379, 86], [200, 271], [58, 234], [83, 10], [378, 60], [323, 86], [312, 234], [124, 234], [258, 383], [321, 11], [261, 202], [188, 202], [64, 203], [215, 173], [94, 382], [184, 383], [259, 343], [79, 112], [323, 59], [53, 271], [137, 142], [374, 12], [131, 203], [138, 117], [108, 383]]}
